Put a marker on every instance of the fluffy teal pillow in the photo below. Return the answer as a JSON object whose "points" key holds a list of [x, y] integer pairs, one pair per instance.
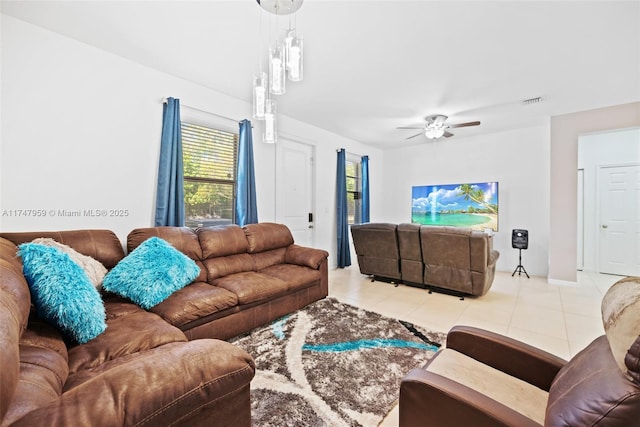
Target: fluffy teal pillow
{"points": [[62, 293], [150, 273]]}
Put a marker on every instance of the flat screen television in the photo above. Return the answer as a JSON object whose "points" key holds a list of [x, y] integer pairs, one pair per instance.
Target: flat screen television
{"points": [[473, 205]]}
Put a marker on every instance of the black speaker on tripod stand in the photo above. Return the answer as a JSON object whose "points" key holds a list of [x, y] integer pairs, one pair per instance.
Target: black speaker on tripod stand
{"points": [[519, 241]]}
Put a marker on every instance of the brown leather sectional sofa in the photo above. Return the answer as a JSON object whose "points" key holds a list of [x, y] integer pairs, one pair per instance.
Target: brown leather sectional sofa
{"points": [[457, 260], [163, 366]]}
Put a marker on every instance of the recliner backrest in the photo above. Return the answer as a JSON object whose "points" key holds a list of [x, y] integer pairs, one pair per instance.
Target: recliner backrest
{"points": [[376, 246], [411, 265]]}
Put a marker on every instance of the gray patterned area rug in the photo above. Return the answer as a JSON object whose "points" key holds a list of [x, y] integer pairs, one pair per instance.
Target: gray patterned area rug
{"points": [[332, 364]]}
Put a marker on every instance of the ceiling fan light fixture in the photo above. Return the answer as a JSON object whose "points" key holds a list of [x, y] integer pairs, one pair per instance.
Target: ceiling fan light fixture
{"points": [[433, 133]]}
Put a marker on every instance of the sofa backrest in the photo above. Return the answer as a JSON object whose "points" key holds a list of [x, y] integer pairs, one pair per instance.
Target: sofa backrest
{"points": [[224, 250], [463, 247], [376, 246], [411, 265], [102, 245], [453, 255]]}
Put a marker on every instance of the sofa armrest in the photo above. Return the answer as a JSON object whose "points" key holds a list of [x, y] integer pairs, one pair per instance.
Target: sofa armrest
{"points": [[307, 257], [520, 360], [457, 404], [188, 383]]}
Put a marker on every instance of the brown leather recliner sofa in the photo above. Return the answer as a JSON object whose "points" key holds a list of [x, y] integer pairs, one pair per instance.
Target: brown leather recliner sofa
{"points": [[485, 379], [376, 247], [147, 367], [457, 260]]}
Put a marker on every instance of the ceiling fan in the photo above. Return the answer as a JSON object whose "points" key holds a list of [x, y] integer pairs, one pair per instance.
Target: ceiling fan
{"points": [[434, 127]]}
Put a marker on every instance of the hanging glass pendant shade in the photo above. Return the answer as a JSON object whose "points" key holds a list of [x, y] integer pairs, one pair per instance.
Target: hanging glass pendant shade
{"points": [[294, 63], [270, 135], [259, 95], [277, 70], [288, 38]]}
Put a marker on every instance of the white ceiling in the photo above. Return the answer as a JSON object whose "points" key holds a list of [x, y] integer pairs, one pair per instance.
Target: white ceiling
{"points": [[371, 66]]}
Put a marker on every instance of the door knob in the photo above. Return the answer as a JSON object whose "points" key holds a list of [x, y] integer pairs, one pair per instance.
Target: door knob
{"points": [[605, 226]]}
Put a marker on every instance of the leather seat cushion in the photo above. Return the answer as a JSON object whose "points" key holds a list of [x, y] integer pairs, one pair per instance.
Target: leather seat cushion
{"points": [[193, 302], [251, 286], [130, 329], [296, 277], [512, 392]]}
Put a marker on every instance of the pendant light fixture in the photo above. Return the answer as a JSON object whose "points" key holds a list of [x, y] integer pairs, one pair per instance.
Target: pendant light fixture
{"points": [[270, 135], [277, 70], [259, 95], [285, 61], [294, 58]]}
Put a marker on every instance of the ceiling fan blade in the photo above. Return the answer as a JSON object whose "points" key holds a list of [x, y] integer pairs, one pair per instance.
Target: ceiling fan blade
{"points": [[411, 127], [464, 125], [447, 134], [417, 134]]}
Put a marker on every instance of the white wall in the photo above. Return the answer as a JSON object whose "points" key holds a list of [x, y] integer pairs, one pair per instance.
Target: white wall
{"points": [[517, 159], [620, 147], [565, 131], [81, 130]]}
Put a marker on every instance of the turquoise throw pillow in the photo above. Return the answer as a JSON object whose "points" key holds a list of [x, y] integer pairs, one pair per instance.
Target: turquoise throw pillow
{"points": [[62, 293], [151, 273]]}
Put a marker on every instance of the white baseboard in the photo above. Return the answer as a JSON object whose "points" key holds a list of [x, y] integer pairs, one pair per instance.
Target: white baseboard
{"points": [[561, 282]]}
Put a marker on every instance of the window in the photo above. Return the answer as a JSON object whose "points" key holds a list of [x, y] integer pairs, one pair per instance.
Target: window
{"points": [[209, 161], [354, 191]]}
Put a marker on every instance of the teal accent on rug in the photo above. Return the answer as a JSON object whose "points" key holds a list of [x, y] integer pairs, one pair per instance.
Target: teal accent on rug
{"points": [[364, 344], [332, 364]]}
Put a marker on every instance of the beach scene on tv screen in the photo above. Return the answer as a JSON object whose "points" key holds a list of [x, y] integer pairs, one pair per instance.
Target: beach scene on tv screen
{"points": [[456, 205]]}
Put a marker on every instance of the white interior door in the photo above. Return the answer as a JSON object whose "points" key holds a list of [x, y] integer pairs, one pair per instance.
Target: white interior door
{"points": [[619, 193], [295, 189]]}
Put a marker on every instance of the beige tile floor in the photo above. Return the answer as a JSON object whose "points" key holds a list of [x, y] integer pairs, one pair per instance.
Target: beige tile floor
{"points": [[561, 319]]}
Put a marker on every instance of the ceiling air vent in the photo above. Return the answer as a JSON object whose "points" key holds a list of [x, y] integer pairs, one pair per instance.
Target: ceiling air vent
{"points": [[531, 101]]}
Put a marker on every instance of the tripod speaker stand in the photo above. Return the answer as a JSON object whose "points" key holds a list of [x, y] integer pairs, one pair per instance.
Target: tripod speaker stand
{"points": [[520, 241]]}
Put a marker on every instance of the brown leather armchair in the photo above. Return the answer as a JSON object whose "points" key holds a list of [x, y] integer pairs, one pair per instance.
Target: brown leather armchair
{"points": [[485, 379]]}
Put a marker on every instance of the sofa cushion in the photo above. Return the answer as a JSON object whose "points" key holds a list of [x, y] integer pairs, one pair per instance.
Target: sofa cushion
{"points": [[510, 391], [268, 258], [266, 235], [251, 286], [93, 268], [130, 330], [226, 265], [62, 293], [152, 272], [222, 240], [194, 302], [43, 372], [295, 276]]}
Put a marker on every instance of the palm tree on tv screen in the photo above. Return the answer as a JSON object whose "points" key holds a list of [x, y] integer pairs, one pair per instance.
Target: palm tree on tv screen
{"points": [[477, 195]]}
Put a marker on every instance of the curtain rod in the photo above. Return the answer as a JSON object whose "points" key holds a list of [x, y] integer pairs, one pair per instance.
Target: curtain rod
{"points": [[349, 152], [164, 101]]}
